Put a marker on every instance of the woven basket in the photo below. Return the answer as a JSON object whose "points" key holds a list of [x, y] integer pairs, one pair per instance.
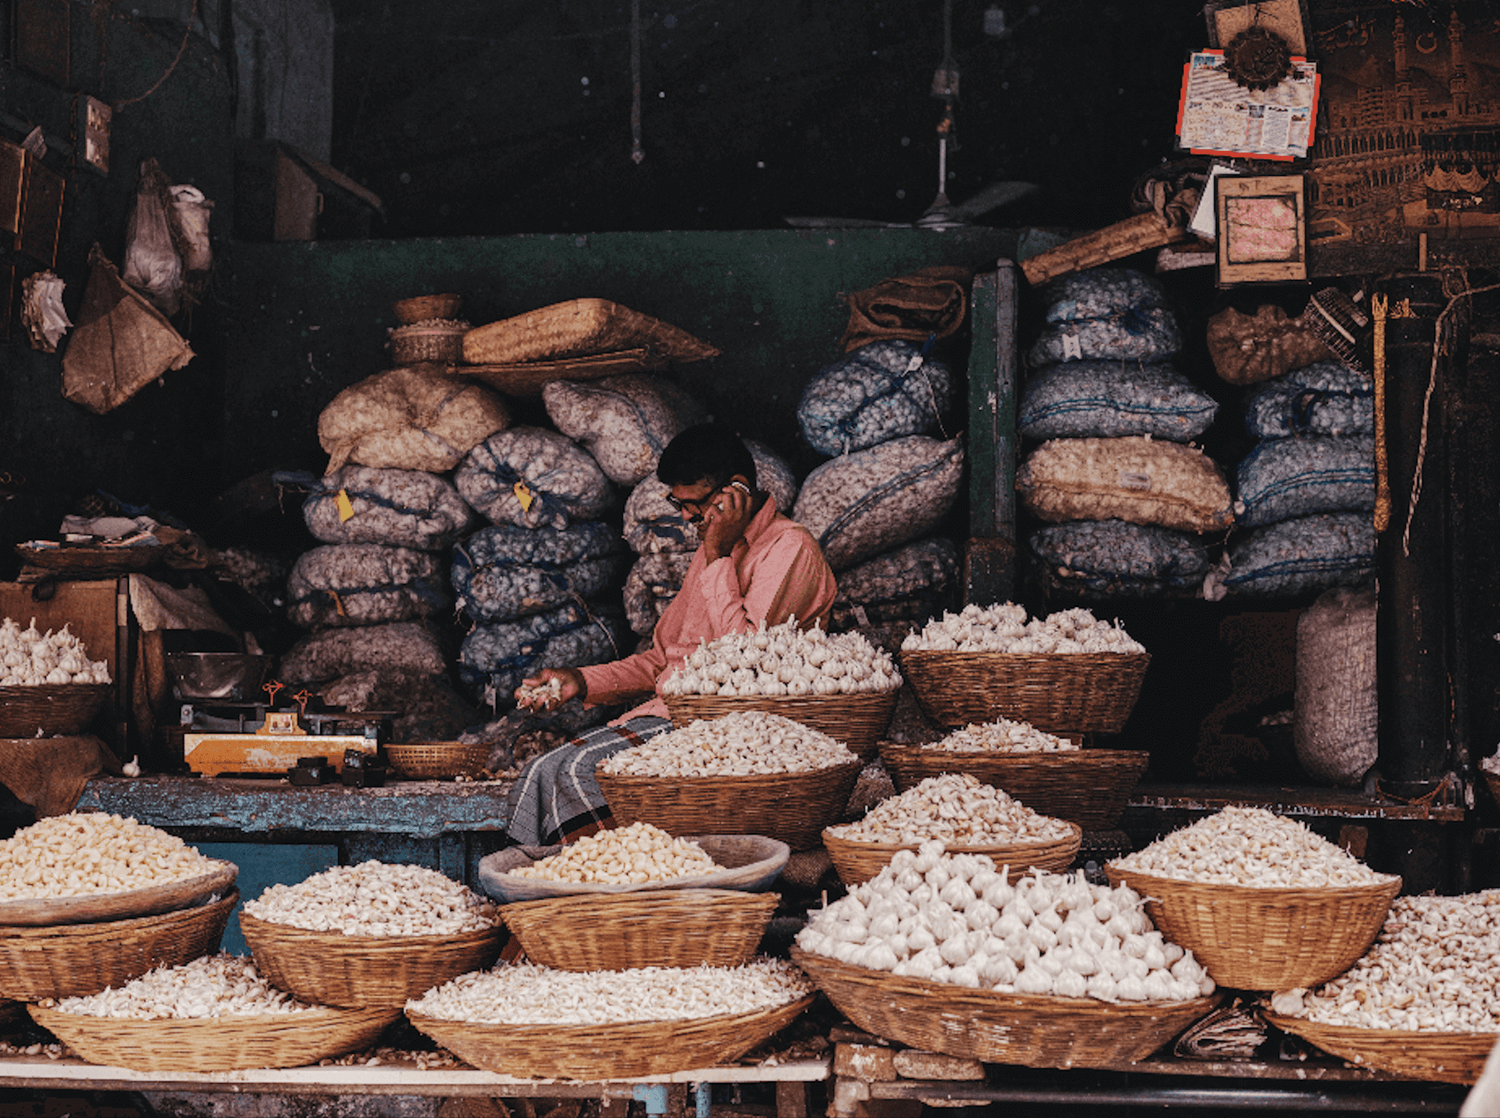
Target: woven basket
{"points": [[1264, 939], [438, 341], [364, 972], [528, 378], [1080, 692], [148, 900], [75, 960], [859, 720], [750, 863], [1442, 1057], [1089, 787], [661, 928], [597, 1052], [420, 308], [92, 560], [1027, 1029], [437, 760], [578, 328], [857, 862], [52, 708], [282, 1040], [792, 807]]}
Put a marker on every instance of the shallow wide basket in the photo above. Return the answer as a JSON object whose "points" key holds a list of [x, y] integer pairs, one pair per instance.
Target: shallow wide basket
{"points": [[1027, 1029], [1442, 1057], [1264, 939], [857, 862], [859, 720], [282, 1040], [660, 928], [1080, 692], [75, 960], [53, 708], [749, 863], [437, 760], [791, 807], [595, 1052], [148, 900], [364, 972], [1089, 787]]}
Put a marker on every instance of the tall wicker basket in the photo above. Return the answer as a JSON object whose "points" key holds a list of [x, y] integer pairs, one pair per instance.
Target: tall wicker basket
{"points": [[859, 719]]}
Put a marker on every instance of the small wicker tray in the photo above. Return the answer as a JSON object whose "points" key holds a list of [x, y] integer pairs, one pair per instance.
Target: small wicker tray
{"points": [[364, 972], [1441, 1057], [1264, 939], [791, 807], [53, 708], [528, 378], [595, 1052], [1089, 787], [148, 901], [661, 928], [750, 864], [283, 1040], [437, 760], [857, 862], [1080, 692], [859, 720], [75, 960], [1027, 1029], [578, 328]]}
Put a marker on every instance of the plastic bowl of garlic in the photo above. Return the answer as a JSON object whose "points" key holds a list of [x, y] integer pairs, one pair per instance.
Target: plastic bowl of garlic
{"points": [[840, 684], [949, 953], [48, 685], [1262, 900], [1068, 673]]}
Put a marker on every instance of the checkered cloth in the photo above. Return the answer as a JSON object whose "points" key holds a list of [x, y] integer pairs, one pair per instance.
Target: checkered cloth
{"points": [[556, 796]]}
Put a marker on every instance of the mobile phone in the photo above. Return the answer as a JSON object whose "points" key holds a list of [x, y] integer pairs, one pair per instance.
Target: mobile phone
{"points": [[740, 485]]}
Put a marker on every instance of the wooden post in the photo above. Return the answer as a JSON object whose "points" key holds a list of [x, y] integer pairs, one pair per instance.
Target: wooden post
{"points": [[989, 559]]}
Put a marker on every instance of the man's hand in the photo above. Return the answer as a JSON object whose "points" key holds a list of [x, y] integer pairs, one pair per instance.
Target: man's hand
{"points": [[728, 515], [550, 688]]}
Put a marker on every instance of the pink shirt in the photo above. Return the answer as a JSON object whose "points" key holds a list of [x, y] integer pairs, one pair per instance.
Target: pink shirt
{"points": [[775, 571]]}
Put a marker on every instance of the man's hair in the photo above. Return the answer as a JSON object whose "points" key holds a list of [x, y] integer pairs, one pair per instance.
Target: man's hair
{"points": [[709, 452]]}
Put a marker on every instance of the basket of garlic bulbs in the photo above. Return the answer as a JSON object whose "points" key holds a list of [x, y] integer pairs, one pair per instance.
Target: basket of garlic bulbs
{"points": [[1068, 673], [1262, 900], [946, 952], [49, 685], [1419, 1002], [840, 684]]}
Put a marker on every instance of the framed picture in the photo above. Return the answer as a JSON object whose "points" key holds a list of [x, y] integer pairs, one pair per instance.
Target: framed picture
{"points": [[41, 213], [1286, 18], [1262, 224]]}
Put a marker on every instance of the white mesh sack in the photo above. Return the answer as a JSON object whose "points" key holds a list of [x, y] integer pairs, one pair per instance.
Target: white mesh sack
{"points": [[624, 421], [402, 508], [401, 646], [530, 476], [339, 585], [652, 583]]}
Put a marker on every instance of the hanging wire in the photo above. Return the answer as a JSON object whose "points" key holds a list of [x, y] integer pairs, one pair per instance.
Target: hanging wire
{"points": [[637, 152], [187, 32]]}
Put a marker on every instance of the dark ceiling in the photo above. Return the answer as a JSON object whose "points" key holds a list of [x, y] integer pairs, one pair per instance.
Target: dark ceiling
{"points": [[511, 116]]}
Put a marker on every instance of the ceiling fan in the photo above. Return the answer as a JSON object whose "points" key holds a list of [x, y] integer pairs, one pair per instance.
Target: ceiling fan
{"points": [[941, 214]]}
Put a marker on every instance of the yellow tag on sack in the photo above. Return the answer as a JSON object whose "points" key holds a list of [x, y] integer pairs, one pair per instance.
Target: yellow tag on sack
{"points": [[345, 506], [338, 603], [524, 495]]}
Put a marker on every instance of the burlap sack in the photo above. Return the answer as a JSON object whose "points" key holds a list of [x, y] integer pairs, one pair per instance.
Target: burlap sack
{"points": [[928, 301], [1336, 715], [1247, 349], [1136, 479]]}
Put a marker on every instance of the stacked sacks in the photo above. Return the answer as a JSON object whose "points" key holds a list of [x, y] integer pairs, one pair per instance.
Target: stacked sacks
{"points": [[1125, 496], [1307, 489]]}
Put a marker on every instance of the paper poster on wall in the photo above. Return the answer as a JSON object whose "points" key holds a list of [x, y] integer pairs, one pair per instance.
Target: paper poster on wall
{"points": [[1218, 116]]}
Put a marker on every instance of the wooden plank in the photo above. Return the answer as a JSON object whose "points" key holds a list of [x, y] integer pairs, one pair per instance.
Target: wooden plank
{"points": [[989, 558], [1115, 242], [1306, 802]]}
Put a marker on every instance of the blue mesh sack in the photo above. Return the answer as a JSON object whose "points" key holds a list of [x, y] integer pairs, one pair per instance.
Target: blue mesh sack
{"points": [[1305, 474], [402, 508], [1304, 555], [504, 572], [530, 477], [1106, 314], [878, 392], [495, 657], [1110, 399], [911, 583], [365, 584], [1324, 398], [1113, 558]]}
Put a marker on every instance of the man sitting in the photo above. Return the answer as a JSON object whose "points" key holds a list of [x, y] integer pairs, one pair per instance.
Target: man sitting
{"points": [[752, 565]]}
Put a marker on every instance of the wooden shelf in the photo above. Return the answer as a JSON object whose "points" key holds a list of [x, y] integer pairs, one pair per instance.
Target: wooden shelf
{"points": [[1337, 803]]}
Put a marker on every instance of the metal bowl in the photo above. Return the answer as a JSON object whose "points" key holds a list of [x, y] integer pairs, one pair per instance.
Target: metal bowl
{"points": [[231, 677]]}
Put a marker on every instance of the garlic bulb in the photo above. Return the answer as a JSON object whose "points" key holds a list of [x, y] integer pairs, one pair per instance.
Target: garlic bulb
{"points": [[738, 744], [1004, 628], [31, 658], [957, 809], [1003, 736], [784, 660]]}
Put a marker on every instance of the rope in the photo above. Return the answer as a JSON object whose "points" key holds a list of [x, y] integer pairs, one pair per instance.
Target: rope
{"points": [[187, 31]]}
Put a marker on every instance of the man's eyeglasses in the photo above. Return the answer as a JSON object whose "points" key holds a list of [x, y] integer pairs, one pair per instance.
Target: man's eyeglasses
{"points": [[694, 508]]}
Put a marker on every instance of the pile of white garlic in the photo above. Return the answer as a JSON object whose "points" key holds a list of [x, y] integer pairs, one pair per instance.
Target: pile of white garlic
{"points": [[552, 689], [952, 918], [744, 743], [1004, 628], [1003, 736], [525, 994], [219, 985], [1254, 847], [87, 853], [622, 856], [957, 810], [29, 658], [376, 899], [1431, 969], [784, 660]]}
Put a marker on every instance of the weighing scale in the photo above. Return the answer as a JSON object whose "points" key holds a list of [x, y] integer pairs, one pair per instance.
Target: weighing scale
{"points": [[257, 739]]}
